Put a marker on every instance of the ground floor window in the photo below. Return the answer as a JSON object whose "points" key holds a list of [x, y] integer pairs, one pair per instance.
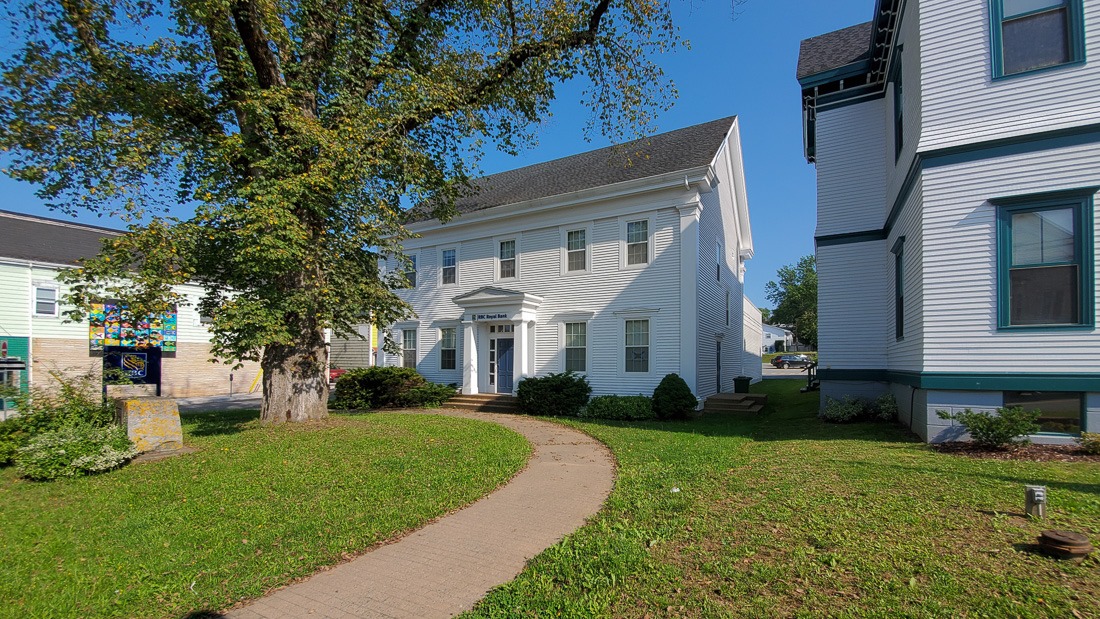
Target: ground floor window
{"points": [[1061, 411], [448, 348], [637, 345], [408, 348], [576, 347]]}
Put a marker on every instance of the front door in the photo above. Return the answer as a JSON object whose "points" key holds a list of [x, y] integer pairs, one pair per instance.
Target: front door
{"points": [[505, 364]]}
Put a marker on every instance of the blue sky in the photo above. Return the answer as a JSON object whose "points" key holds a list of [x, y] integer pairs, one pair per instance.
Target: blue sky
{"points": [[743, 65]]}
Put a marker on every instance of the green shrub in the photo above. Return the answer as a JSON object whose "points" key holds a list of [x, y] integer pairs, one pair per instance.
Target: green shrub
{"points": [[846, 410], [885, 408], [72, 401], [997, 430], [429, 395], [673, 399], [387, 387], [553, 394], [627, 407], [1090, 443], [74, 450]]}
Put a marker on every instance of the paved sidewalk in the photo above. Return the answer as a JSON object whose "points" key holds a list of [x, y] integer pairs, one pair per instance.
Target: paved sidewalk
{"points": [[446, 567]]}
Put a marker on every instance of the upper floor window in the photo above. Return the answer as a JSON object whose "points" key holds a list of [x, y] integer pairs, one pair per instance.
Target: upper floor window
{"points": [[576, 247], [899, 288], [448, 348], [449, 262], [1036, 34], [507, 259], [1045, 260], [45, 301], [637, 242], [410, 271], [717, 261], [899, 108]]}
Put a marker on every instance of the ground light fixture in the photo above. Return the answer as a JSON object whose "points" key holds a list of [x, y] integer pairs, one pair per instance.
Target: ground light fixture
{"points": [[1035, 501]]}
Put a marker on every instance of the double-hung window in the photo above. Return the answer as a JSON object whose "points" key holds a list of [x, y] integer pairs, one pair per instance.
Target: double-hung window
{"points": [[507, 259], [449, 264], [637, 346], [45, 301], [1036, 34], [899, 288], [637, 242], [576, 347], [410, 271], [576, 250], [408, 348], [1045, 260], [448, 348], [899, 109]]}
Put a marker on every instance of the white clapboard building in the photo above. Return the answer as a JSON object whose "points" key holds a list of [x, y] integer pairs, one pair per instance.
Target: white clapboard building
{"points": [[624, 263]]}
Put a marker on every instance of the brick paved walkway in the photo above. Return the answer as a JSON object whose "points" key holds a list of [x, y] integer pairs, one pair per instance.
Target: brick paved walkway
{"points": [[446, 567]]}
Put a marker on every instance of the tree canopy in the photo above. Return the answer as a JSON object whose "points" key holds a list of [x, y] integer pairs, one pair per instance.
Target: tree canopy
{"points": [[795, 299], [299, 131]]}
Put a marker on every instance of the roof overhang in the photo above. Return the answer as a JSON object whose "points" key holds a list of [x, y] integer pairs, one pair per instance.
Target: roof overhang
{"points": [[490, 303]]}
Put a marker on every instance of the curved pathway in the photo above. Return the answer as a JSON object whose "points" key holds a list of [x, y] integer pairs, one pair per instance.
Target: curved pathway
{"points": [[444, 568]]}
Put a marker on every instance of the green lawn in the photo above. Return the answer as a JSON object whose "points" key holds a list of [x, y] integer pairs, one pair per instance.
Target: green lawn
{"points": [[781, 515], [255, 508]]}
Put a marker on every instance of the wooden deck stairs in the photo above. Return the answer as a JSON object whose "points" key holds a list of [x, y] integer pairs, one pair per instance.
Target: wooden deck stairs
{"points": [[486, 403], [735, 403]]}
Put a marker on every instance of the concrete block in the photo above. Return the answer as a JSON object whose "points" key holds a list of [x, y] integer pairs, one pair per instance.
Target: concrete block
{"points": [[153, 424]]}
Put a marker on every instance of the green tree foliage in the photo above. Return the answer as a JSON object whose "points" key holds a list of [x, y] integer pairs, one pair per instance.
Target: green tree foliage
{"points": [[766, 315], [795, 299], [300, 131]]}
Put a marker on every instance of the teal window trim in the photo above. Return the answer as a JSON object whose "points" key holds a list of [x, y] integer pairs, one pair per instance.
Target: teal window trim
{"points": [[1075, 30], [899, 288], [1081, 200]]}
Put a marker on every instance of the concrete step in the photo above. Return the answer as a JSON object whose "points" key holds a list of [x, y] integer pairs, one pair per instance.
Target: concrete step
{"points": [[487, 402], [750, 409], [737, 403]]}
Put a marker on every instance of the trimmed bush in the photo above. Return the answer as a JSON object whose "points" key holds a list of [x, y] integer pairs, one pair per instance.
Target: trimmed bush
{"points": [[846, 410], [673, 399], [999, 430], [1090, 443], [387, 387], [553, 394], [73, 451], [73, 401], [885, 408], [626, 407]]}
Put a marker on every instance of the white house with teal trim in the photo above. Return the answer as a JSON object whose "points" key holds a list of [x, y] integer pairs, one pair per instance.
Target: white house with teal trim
{"points": [[957, 147], [624, 263]]}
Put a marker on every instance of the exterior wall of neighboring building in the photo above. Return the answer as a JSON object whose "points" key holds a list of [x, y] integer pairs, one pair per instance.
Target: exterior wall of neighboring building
{"points": [[962, 105], [970, 142], [754, 341], [62, 347]]}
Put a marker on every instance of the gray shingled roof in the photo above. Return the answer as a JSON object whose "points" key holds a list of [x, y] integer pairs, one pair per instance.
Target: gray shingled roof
{"points": [[674, 151], [834, 49], [26, 237]]}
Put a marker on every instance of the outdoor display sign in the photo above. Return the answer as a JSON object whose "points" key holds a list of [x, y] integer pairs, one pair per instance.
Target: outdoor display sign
{"points": [[132, 365], [106, 327]]}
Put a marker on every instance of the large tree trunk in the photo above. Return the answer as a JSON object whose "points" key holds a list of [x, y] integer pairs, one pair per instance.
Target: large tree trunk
{"points": [[295, 385]]}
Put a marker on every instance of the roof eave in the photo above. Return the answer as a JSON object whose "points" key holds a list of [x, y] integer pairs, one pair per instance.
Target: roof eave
{"points": [[701, 178], [853, 69]]}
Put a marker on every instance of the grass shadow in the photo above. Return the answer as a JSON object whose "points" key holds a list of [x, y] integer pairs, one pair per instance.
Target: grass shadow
{"points": [[203, 614], [218, 423]]}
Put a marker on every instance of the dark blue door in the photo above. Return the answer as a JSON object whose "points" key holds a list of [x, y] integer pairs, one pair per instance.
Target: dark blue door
{"points": [[505, 365]]}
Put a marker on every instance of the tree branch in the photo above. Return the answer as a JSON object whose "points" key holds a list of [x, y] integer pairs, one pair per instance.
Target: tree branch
{"points": [[247, 20]]}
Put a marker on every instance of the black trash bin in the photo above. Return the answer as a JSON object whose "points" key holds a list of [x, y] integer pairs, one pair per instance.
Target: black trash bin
{"points": [[741, 384]]}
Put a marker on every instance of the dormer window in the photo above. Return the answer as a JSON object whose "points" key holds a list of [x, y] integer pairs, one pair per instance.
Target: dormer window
{"points": [[1036, 34]]}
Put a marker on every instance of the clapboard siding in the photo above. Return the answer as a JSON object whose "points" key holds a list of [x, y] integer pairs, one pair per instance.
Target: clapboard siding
{"points": [[854, 305], [754, 340], [717, 227], [906, 354], [960, 296], [602, 292], [851, 168], [15, 311], [962, 104], [909, 40]]}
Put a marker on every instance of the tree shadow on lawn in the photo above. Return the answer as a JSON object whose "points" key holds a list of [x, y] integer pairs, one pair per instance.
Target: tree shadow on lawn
{"points": [[218, 423], [1024, 478]]}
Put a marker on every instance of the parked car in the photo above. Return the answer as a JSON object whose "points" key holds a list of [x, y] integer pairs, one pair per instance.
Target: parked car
{"points": [[791, 361], [334, 373]]}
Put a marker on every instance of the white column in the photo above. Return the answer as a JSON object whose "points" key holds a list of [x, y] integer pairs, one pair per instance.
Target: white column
{"points": [[520, 353], [469, 358], [689, 294]]}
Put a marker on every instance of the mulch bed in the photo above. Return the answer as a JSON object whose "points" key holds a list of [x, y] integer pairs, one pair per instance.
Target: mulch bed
{"points": [[1029, 453]]}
